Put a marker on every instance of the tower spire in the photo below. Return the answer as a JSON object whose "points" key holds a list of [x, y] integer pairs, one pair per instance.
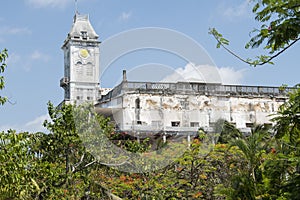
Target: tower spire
{"points": [[76, 7]]}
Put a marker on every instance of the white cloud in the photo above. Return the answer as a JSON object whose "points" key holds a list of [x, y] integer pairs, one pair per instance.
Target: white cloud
{"points": [[7, 30], [240, 10], [231, 76], [205, 74], [37, 55], [27, 61], [13, 58], [14, 31], [35, 125], [48, 3], [125, 16]]}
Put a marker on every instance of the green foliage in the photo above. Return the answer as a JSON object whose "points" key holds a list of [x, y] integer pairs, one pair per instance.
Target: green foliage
{"points": [[228, 132], [281, 24], [63, 150], [18, 166], [280, 29], [192, 176], [273, 163], [245, 183], [3, 57], [48, 166], [263, 165], [288, 118]]}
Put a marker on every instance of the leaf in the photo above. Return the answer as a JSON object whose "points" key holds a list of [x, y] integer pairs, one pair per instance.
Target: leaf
{"points": [[35, 184]]}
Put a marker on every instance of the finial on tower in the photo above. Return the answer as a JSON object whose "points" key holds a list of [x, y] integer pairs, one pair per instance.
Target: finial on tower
{"points": [[76, 7]]}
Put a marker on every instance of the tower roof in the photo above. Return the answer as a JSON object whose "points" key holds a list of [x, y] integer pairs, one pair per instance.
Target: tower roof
{"points": [[82, 29]]}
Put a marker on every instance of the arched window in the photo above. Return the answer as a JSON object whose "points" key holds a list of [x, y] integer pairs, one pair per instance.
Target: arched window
{"points": [[89, 69], [79, 68]]}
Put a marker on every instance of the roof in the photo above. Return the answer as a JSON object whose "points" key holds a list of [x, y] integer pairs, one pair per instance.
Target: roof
{"points": [[80, 25], [195, 88]]}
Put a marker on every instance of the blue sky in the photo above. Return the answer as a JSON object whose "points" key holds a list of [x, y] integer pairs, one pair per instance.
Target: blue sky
{"points": [[34, 30]]}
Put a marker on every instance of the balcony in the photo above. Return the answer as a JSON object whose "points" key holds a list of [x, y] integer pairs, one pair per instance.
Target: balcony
{"points": [[64, 81]]}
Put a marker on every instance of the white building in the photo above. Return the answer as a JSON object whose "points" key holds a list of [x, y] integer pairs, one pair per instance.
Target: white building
{"points": [[168, 107], [187, 106]]}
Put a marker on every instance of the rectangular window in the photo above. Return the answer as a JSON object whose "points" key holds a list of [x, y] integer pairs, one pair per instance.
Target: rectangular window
{"points": [[249, 125], [84, 35], [194, 124], [184, 104], [233, 123], [175, 123], [268, 125]]}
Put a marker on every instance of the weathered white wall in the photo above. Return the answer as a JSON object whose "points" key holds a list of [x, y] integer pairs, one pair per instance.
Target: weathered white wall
{"points": [[159, 111]]}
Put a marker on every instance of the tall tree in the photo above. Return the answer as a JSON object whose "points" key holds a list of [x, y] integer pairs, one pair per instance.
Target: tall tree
{"points": [[65, 154]]}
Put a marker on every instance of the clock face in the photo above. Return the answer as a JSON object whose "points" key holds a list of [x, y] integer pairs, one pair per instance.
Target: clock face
{"points": [[84, 53]]}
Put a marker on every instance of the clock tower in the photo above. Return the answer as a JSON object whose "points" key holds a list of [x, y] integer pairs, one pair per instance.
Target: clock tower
{"points": [[81, 62]]}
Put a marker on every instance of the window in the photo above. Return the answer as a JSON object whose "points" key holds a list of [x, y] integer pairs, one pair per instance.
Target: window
{"points": [[79, 69], [194, 124], [137, 103], [249, 125], [84, 35], [175, 124], [268, 125], [139, 122], [89, 70], [184, 104]]}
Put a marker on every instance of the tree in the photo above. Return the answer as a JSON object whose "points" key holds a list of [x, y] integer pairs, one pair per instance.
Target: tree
{"points": [[272, 169], [18, 166], [228, 132], [3, 57], [287, 133], [67, 158], [288, 118], [280, 29]]}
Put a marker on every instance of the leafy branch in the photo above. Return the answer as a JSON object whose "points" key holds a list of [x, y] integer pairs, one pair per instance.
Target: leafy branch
{"points": [[279, 31], [3, 57], [261, 60]]}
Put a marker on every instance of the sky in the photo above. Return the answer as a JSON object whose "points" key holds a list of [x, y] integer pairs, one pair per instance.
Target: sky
{"points": [[33, 31]]}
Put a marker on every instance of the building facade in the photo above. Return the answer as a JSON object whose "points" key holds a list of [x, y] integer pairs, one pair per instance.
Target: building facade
{"points": [[186, 106]]}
